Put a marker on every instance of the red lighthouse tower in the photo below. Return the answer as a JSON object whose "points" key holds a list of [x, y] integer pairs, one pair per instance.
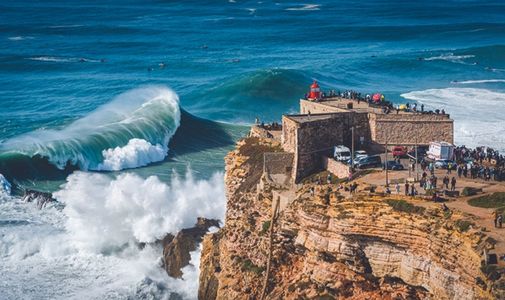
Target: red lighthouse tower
{"points": [[315, 91]]}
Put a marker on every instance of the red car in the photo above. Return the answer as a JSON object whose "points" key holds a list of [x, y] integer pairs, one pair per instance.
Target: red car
{"points": [[399, 151]]}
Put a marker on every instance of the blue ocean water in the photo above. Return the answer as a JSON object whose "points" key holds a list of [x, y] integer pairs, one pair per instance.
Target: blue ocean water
{"points": [[112, 87]]}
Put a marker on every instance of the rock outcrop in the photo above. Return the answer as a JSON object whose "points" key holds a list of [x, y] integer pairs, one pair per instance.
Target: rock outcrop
{"points": [[177, 250], [40, 198], [327, 246]]}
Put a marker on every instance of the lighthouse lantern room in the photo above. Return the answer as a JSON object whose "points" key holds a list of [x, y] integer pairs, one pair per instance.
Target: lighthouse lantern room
{"points": [[315, 91]]}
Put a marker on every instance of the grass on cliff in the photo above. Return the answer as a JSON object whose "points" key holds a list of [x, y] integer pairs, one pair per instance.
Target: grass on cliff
{"points": [[248, 265], [404, 206], [264, 227], [494, 200], [463, 225]]}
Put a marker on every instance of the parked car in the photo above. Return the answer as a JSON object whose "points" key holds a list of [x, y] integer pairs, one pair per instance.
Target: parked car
{"points": [[444, 164], [421, 152], [393, 165], [399, 151], [373, 161], [358, 154]]}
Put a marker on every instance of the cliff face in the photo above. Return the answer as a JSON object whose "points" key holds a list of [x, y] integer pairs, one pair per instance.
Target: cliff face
{"points": [[330, 246]]}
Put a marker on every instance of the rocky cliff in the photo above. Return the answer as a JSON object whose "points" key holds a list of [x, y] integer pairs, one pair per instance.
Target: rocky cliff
{"points": [[327, 245]]}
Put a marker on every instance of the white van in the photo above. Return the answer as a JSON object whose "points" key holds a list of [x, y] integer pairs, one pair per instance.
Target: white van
{"points": [[341, 153], [441, 150]]}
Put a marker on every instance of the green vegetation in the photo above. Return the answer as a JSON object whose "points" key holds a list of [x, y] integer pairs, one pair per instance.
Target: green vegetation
{"points": [[463, 225], [265, 227], [470, 191], [404, 206], [248, 265], [495, 200]]}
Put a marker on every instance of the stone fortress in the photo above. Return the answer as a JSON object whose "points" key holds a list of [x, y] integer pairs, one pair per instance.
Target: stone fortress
{"points": [[326, 122]]}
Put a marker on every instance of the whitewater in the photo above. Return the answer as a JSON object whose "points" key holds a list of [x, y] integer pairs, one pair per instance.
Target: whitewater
{"points": [[93, 241]]}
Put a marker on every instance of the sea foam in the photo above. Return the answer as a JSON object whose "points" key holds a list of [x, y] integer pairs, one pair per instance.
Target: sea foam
{"points": [[5, 186], [136, 153], [96, 236], [105, 214]]}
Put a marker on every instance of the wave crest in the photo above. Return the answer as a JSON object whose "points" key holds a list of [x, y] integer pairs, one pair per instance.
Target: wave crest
{"points": [[151, 114]]}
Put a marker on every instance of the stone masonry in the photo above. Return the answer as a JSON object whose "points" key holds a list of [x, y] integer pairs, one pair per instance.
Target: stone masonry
{"points": [[312, 135]]}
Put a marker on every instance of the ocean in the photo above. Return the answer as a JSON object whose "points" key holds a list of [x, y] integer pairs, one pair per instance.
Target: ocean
{"points": [[125, 110]]}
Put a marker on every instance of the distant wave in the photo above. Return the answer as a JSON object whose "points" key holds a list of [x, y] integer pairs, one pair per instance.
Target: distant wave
{"points": [[451, 58], [130, 131], [307, 7], [66, 26], [478, 81], [20, 38], [477, 113], [62, 59], [261, 93]]}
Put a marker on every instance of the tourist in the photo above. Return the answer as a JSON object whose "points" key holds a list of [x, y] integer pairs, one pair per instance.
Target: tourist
{"points": [[445, 182], [388, 191], [495, 217], [412, 190], [500, 220], [311, 190], [328, 179], [453, 183], [406, 188], [397, 188], [422, 108]]}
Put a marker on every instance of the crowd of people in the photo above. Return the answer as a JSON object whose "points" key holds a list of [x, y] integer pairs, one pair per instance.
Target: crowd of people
{"points": [[377, 100], [480, 163]]}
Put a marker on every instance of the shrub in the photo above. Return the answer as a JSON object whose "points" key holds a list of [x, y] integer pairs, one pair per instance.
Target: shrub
{"points": [[265, 227], [404, 206], [463, 225], [470, 191], [248, 265], [494, 200]]}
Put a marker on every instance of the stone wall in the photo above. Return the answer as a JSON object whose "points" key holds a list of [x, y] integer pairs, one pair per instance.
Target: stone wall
{"points": [[316, 139], [336, 168], [288, 138], [311, 139], [407, 129]]}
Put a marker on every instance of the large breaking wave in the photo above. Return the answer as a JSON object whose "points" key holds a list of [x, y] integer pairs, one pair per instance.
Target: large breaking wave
{"points": [[132, 130]]}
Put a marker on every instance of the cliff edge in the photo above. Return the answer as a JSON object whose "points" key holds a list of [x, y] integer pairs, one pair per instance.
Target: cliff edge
{"points": [[324, 244]]}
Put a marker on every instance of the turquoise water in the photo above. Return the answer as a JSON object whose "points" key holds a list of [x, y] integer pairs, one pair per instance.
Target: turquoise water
{"points": [[125, 90]]}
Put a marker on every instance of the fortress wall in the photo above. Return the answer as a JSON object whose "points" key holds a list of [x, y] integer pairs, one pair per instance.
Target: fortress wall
{"points": [[316, 139], [312, 139], [288, 138], [278, 163], [405, 129]]}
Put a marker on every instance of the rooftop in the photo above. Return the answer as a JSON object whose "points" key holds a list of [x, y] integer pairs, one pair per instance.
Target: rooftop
{"points": [[310, 118]]}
